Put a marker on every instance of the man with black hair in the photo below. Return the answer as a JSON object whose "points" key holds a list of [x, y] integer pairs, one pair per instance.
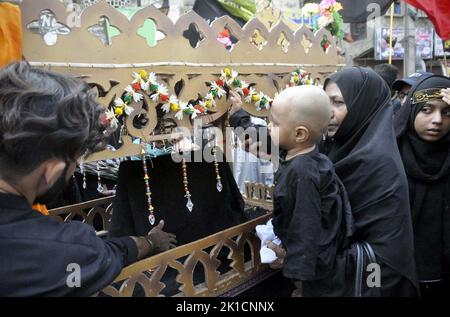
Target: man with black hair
{"points": [[47, 122], [389, 73]]}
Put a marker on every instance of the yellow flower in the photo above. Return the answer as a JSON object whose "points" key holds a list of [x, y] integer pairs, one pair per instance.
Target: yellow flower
{"points": [[208, 104], [337, 6], [174, 107], [118, 111], [227, 72], [143, 74], [295, 79], [256, 98]]}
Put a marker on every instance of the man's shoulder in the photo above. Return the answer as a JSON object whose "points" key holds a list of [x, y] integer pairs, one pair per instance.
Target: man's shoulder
{"points": [[49, 230]]}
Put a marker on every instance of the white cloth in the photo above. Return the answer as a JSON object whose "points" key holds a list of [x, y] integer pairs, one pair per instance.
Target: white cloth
{"points": [[266, 234]]}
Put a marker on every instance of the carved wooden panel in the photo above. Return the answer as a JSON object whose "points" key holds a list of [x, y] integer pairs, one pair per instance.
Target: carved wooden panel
{"points": [[104, 47], [238, 244], [96, 213]]}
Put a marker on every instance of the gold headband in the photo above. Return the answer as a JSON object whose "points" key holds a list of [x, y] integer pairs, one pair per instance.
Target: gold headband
{"points": [[425, 95]]}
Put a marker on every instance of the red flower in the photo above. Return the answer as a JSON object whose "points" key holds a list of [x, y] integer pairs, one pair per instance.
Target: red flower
{"points": [[246, 91], [220, 83], [164, 97], [137, 86], [224, 33], [199, 108]]}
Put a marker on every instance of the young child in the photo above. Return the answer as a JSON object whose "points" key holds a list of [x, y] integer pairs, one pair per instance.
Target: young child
{"points": [[312, 215]]}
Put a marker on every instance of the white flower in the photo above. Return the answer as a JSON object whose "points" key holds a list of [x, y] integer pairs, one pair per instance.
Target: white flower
{"points": [[128, 110], [145, 85], [113, 122], [179, 115], [136, 78], [162, 90], [154, 97], [248, 99], [240, 90], [183, 106], [220, 91], [152, 78], [310, 9], [119, 102], [194, 111], [110, 114], [234, 74], [130, 92], [166, 106]]}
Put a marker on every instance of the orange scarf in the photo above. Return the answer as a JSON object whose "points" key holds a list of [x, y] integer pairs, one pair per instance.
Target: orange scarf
{"points": [[41, 208], [10, 34]]}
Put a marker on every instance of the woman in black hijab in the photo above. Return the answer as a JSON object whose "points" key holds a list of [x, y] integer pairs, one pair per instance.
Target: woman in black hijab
{"points": [[363, 147], [422, 128]]}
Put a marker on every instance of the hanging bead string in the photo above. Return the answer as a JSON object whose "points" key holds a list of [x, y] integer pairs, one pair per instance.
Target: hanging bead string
{"points": [[219, 185], [189, 204], [99, 181], [122, 133], [148, 193], [83, 172]]}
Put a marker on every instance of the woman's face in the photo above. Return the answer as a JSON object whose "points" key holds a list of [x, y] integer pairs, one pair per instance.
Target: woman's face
{"points": [[432, 122], [338, 108]]}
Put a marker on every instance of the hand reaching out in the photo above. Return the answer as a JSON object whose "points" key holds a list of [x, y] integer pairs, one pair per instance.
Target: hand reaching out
{"points": [[236, 102]]}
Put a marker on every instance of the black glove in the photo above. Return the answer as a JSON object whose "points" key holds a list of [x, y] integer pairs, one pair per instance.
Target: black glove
{"points": [[160, 240]]}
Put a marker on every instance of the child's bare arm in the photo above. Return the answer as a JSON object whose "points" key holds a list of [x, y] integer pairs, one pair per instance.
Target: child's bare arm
{"points": [[236, 102]]}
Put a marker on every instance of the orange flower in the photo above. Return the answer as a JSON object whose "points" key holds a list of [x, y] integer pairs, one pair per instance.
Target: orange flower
{"points": [[41, 209]]}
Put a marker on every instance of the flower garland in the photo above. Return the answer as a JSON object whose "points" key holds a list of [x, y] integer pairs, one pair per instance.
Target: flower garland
{"points": [[324, 15], [147, 83], [301, 77]]}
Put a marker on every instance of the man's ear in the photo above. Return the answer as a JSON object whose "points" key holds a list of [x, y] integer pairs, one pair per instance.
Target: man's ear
{"points": [[52, 170], [302, 134]]}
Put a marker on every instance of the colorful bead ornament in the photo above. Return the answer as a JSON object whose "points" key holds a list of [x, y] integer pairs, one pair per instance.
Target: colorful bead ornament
{"points": [[83, 172], [99, 181], [189, 204], [219, 185], [148, 193]]}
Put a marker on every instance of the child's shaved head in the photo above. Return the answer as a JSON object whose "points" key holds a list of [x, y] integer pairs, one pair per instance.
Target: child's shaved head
{"points": [[307, 106]]}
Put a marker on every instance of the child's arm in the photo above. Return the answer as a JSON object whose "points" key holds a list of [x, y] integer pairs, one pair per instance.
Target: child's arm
{"points": [[303, 235], [239, 118]]}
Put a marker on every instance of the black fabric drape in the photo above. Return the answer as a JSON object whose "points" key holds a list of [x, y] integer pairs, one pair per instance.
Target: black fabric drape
{"points": [[427, 166], [213, 211], [211, 9], [368, 162]]}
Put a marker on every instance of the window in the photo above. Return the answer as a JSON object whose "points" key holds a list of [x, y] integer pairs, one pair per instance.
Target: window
{"points": [[358, 31]]}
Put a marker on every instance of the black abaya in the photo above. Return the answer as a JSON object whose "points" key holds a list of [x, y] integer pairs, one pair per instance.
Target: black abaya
{"points": [[368, 162], [427, 166]]}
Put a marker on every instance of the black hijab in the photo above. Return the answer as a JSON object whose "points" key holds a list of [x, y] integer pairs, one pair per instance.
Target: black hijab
{"points": [[427, 166], [366, 158]]}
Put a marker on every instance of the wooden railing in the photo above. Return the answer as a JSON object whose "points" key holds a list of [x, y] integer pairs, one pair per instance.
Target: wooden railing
{"points": [[223, 264], [96, 213], [238, 244]]}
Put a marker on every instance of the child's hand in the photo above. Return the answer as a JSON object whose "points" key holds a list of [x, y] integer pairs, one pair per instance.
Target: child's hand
{"points": [[280, 253], [446, 95], [236, 102]]}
